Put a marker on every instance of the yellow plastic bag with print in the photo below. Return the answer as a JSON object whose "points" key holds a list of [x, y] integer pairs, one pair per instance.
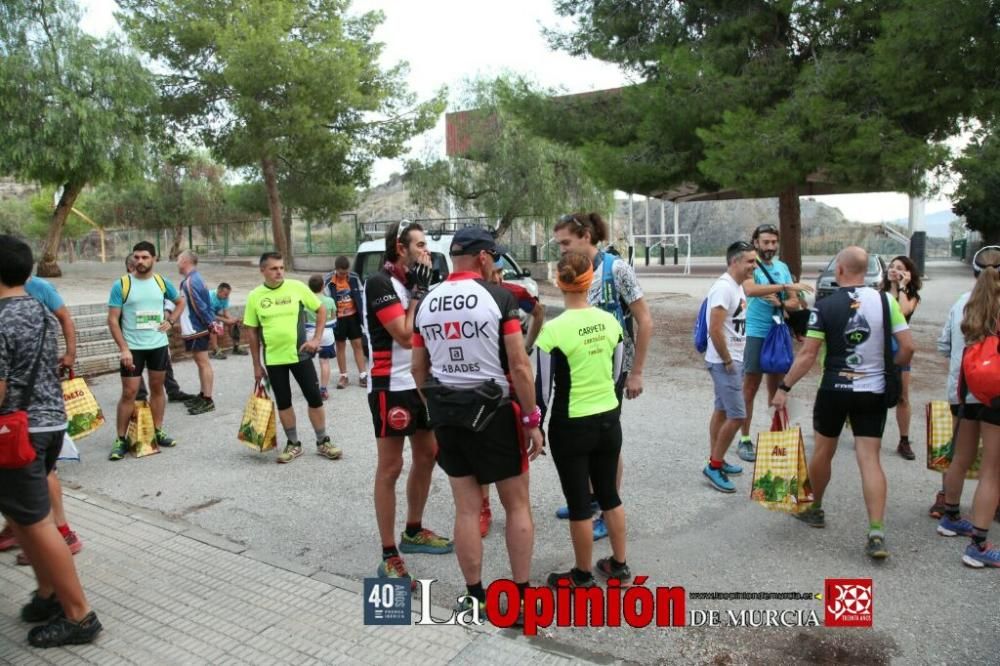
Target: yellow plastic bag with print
{"points": [[83, 414], [141, 431], [780, 473], [258, 427]]}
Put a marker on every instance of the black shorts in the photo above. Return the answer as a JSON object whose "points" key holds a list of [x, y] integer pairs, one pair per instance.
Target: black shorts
{"points": [[24, 492], [972, 412], [495, 454], [975, 411], [585, 451], [154, 360], [196, 344], [397, 413], [305, 376], [347, 328], [866, 410]]}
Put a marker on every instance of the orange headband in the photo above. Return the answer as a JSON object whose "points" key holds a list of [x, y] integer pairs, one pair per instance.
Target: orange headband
{"points": [[580, 285]]}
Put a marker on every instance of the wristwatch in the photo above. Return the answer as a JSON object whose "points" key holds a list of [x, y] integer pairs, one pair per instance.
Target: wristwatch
{"points": [[785, 387]]}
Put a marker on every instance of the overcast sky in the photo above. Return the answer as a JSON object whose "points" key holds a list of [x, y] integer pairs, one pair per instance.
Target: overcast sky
{"points": [[448, 41]]}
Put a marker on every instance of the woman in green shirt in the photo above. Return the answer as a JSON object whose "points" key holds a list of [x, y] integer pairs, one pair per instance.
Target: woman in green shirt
{"points": [[580, 356]]}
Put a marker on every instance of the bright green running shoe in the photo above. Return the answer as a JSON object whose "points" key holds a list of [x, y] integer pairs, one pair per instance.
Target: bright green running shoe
{"points": [[292, 451], [165, 440], [119, 448], [425, 541]]}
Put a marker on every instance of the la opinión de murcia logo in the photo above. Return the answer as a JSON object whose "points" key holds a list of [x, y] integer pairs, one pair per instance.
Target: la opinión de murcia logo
{"points": [[849, 602], [614, 606]]}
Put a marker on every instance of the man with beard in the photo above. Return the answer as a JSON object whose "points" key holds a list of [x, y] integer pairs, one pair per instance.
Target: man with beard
{"points": [[770, 292], [139, 326], [390, 298]]}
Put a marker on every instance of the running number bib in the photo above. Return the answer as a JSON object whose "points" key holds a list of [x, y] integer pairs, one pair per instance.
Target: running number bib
{"points": [[148, 320]]}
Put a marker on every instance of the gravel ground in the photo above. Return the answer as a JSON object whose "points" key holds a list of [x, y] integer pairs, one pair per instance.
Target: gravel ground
{"points": [[681, 532]]}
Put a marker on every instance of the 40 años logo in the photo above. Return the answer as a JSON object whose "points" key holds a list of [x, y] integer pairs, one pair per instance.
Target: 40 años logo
{"points": [[507, 605]]}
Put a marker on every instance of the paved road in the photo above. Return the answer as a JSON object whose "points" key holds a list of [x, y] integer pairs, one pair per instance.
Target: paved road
{"points": [[318, 513]]}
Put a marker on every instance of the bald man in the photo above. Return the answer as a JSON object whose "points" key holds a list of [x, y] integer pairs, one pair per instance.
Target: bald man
{"points": [[850, 324]]}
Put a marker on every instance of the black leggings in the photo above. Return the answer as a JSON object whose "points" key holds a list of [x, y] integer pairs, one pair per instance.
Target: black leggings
{"points": [[585, 451], [305, 376]]}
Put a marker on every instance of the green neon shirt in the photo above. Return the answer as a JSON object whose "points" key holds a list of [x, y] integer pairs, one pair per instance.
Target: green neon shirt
{"points": [[279, 313], [583, 345]]}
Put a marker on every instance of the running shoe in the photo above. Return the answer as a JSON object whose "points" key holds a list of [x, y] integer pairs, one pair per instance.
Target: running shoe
{"points": [[63, 631], [609, 569], [343, 382], [905, 451], [937, 509], [425, 541], [71, 539], [977, 559], [745, 450], [718, 479], [394, 567], [812, 517], [192, 401], [730, 469], [562, 512], [219, 355], [40, 609], [7, 539], [329, 450], [949, 528], [292, 451], [119, 448], [180, 396], [485, 520], [239, 352], [600, 528], [324, 393], [570, 576], [165, 440], [203, 406], [876, 547], [363, 380]]}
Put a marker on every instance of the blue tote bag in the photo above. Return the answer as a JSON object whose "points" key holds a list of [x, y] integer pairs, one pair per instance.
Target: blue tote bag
{"points": [[776, 353]]}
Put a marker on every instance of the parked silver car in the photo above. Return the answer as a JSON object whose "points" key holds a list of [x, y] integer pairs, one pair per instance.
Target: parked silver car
{"points": [[826, 283]]}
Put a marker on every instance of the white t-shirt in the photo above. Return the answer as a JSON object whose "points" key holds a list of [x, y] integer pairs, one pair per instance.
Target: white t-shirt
{"points": [[728, 294]]}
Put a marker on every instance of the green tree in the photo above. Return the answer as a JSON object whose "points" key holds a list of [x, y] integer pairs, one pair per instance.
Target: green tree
{"points": [[761, 97], [74, 109], [291, 88], [505, 171], [977, 197]]}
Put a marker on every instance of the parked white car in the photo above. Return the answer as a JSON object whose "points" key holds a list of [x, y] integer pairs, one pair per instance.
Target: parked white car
{"points": [[371, 254]]}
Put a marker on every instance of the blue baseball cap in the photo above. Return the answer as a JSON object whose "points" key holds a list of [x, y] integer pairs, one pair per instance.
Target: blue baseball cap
{"points": [[473, 240]]}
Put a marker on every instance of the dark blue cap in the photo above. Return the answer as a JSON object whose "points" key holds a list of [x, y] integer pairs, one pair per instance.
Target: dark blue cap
{"points": [[473, 240]]}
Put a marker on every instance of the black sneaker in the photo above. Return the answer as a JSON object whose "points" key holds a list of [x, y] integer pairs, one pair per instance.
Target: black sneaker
{"points": [[193, 400], [40, 609], [201, 406], [63, 631], [180, 396], [611, 569], [574, 578], [812, 517]]}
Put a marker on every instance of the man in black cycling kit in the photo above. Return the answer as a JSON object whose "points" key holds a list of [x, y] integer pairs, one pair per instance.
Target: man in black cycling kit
{"points": [[468, 343], [390, 301]]}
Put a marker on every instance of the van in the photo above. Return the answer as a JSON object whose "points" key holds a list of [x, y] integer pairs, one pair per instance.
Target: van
{"points": [[370, 255]]}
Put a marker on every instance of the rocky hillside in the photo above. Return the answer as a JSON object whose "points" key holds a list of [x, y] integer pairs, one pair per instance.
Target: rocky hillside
{"points": [[712, 224]]}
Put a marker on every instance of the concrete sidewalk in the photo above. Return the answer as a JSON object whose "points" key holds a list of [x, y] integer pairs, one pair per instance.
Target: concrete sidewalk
{"points": [[171, 593]]}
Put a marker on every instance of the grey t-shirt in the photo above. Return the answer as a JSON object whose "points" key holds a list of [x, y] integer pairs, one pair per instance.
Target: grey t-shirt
{"points": [[21, 324], [628, 289]]}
